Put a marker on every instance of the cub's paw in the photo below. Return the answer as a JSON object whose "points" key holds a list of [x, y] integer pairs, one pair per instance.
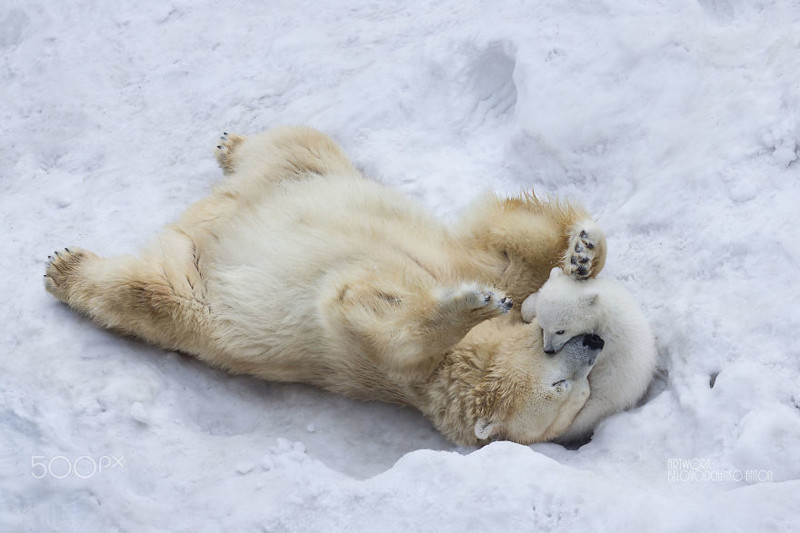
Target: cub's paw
{"points": [[226, 150], [586, 250], [528, 308], [62, 269], [475, 297]]}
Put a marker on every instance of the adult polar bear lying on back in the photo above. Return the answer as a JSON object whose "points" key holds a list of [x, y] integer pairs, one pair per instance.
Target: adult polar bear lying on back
{"points": [[296, 268]]}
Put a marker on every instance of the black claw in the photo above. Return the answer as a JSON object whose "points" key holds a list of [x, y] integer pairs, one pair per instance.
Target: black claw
{"points": [[583, 260], [573, 260], [67, 250], [57, 254], [578, 247], [584, 234], [219, 147], [590, 245], [582, 271]]}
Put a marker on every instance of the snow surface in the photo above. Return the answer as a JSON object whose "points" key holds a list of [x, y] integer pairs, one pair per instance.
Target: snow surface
{"points": [[677, 123]]}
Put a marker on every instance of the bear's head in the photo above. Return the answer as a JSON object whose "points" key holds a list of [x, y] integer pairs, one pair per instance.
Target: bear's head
{"points": [[532, 399], [564, 307]]}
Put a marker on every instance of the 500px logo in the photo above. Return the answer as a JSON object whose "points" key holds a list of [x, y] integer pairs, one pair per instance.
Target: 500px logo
{"points": [[83, 467]]}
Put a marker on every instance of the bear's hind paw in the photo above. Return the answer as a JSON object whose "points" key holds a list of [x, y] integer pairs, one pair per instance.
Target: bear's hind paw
{"points": [[61, 269], [225, 151]]}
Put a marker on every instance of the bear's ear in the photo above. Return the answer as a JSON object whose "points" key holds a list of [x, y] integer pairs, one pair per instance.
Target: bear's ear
{"points": [[556, 272], [485, 429], [590, 299], [528, 308]]}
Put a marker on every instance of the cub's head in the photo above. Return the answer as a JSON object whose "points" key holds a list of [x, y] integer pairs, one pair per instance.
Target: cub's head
{"points": [[564, 307]]}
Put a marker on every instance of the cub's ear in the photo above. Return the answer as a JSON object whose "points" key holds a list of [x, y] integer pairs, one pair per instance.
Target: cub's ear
{"points": [[590, 299], [556, 272], [528, 308], [485, 429]]}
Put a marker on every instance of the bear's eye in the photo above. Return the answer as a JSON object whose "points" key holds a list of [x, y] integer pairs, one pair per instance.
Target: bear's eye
{"points": [[560, 332]]}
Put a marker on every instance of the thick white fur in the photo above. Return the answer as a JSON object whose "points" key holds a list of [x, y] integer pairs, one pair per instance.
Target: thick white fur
{"points": [[565, 307], [296, 268]]}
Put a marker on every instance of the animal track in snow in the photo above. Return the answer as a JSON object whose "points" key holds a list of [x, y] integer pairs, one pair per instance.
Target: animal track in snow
{"points": [[491, 75]]}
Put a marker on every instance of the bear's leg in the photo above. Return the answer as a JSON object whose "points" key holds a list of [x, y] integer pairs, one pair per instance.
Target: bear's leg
{"points": [[527, 237], [159, 302], [409, 334], [284, 153], [463, 307]]}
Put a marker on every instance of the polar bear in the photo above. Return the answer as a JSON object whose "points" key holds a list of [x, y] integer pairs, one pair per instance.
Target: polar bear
{"points": [[565, 307], [297, 268]]}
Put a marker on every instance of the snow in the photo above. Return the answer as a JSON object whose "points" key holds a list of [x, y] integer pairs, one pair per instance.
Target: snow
{"points": [[677, 124]]}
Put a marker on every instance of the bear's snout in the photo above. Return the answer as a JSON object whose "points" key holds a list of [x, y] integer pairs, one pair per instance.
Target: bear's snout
{"points": [[594, 342], [581, 352]]}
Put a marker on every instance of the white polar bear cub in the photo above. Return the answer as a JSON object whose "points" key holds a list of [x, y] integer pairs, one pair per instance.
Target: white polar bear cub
{"points": [[565, 307]]}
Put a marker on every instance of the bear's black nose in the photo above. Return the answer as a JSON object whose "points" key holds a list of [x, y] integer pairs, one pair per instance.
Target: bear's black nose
{"points": [[593, 341]]}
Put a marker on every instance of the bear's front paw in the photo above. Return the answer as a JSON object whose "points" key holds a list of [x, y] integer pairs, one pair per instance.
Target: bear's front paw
{"points": [[475, 297], [585, 254]]}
